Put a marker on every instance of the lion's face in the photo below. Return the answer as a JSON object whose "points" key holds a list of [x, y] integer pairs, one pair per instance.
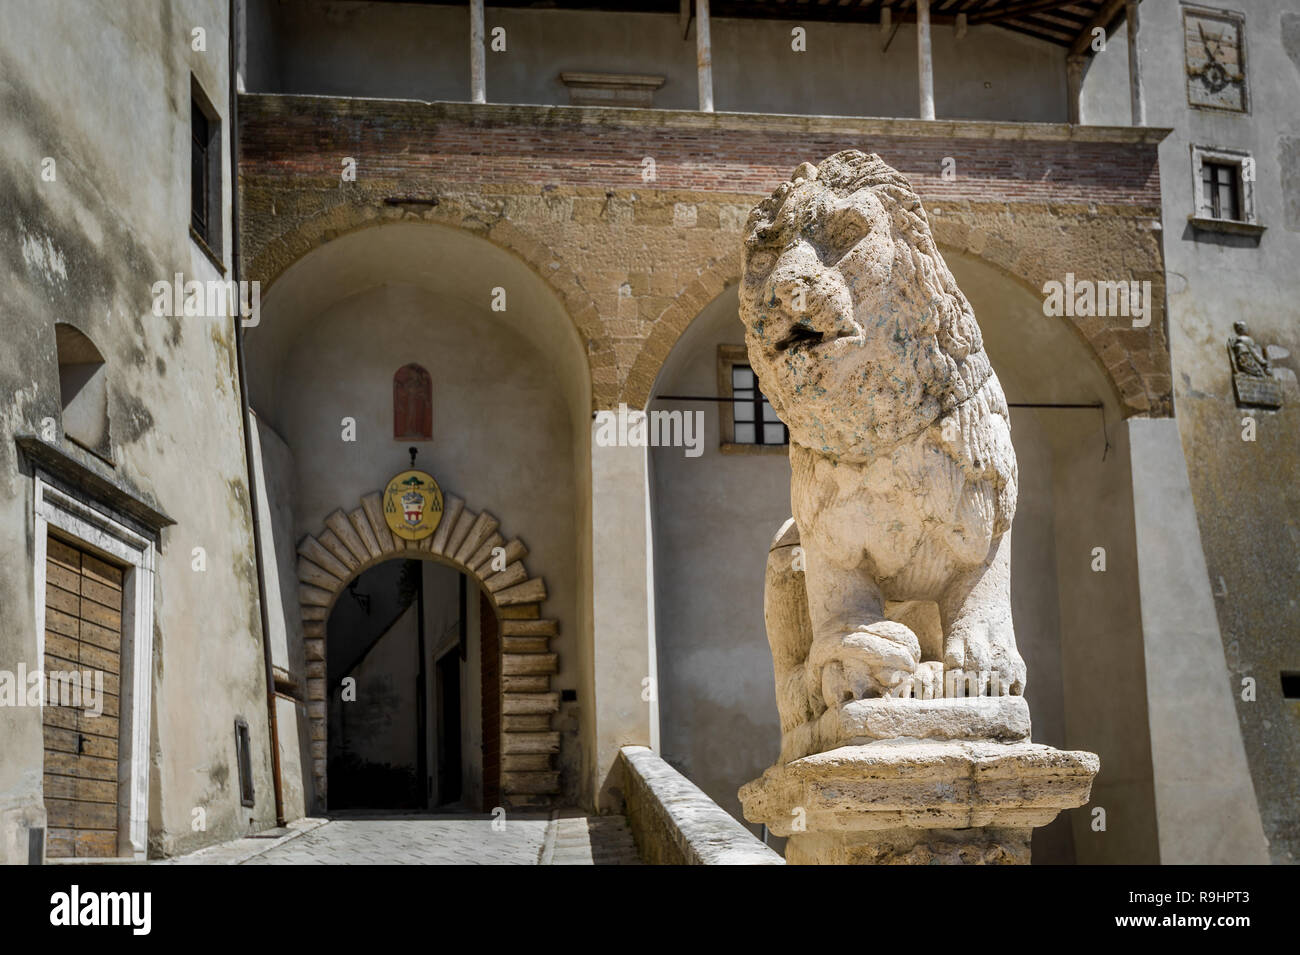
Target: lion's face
{"points": [[840, 317]]}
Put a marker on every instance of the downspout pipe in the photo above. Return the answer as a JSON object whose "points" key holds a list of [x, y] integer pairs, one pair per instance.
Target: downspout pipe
{"points": [[232, 113]]}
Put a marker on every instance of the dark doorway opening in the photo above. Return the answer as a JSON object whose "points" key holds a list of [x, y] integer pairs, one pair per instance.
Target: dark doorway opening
{"points": [[413, 692], [449, 755]]}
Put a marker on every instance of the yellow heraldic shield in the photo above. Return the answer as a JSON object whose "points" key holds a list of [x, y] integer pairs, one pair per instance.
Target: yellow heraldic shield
{"points": [[413, 505]]}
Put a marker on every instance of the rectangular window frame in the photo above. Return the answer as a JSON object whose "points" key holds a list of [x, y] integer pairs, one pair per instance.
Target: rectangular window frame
{"points": [[1202, 216], [729, 356], [211, 237], [244, 763]]}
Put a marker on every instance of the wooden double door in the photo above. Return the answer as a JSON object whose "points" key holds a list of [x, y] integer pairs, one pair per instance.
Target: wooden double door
{"points": [[83, 636]]}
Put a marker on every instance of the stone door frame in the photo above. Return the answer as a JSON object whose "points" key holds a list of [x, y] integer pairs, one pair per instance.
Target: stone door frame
{"points": [[92, 529], [354, 541]]}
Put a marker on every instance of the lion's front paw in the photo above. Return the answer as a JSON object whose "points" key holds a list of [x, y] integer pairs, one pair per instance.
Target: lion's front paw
{"points": [[985, 660], [1010, 669], [869, 661]]}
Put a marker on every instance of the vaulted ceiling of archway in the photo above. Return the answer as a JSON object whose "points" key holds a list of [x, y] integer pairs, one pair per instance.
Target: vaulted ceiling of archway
{"points": [[458, 271]]}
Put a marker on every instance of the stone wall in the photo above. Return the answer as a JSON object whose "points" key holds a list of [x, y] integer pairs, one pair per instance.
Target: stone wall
{"points": [[633, 217], [674, 823]]}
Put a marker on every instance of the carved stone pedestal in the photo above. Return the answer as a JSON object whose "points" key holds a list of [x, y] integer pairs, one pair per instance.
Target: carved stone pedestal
{"points": [[906, 801]]}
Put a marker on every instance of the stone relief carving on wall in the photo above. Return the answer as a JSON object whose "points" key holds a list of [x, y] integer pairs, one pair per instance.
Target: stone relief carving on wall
{"points": [[1253, 378]]}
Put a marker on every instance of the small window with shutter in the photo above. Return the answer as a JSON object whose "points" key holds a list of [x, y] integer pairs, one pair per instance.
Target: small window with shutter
{"points": [[205, 175]]}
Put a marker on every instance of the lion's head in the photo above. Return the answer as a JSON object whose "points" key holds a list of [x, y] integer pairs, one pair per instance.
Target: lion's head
{"points": [[855, 327]]}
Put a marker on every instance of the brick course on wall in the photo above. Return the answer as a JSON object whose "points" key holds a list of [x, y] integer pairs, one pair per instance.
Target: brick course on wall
{"points": [[634, 257]]}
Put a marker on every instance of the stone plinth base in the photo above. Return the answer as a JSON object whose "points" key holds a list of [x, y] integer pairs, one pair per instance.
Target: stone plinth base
{"points": [[979, 846], [906, 800], [1000, 719], [1003, 719]]}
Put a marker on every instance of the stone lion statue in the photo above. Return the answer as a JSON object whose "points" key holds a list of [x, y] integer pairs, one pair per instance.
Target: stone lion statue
{"points": [[903, 481]]}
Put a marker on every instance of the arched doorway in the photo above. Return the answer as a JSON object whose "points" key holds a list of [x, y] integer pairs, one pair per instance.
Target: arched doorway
{"points": [[413, 646], [493, 388], [498, 607]]}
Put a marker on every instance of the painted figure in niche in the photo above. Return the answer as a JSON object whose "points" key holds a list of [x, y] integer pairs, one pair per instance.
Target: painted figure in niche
{"points": [[412, 404]]}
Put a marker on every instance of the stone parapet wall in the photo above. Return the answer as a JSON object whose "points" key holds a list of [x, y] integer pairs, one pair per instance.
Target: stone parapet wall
{"points": [[675, 823]]}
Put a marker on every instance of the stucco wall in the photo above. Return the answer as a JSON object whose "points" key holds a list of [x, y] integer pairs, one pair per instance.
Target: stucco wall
{"points": [[379, 727], [1246, 493], [106, 94], [274, 475], [714, 517]]}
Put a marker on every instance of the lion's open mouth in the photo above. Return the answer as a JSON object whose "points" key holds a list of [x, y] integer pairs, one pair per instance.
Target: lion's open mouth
{"points": [[802, 335]]}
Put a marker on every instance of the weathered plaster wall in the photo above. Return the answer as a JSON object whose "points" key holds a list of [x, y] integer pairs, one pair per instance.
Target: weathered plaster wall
{"points": [[385, 50], [1102, 653], [1205, 805], [379, 727], [1247, 494], [106, 95], [714, 517], [274, 474]]}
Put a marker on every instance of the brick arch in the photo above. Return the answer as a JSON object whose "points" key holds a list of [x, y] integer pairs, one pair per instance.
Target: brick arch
{"points": [[271, 259], [354, 541], [713, 279], [1135, 391]]}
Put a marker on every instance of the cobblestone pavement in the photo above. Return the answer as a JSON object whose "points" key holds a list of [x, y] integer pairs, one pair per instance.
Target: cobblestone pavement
{"points": [[571, 839]]}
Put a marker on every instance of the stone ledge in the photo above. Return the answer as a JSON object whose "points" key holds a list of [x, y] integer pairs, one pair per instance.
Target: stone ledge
{"points": [[921, 785], [1001, 718], [675, 823], [260, 105]]}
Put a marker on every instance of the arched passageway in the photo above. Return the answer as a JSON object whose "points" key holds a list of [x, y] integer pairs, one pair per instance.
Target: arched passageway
{"points": [[419, 335], [405, 613], [714, 516]]}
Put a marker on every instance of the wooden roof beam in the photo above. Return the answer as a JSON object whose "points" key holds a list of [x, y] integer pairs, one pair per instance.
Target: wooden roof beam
{"points": [[1103, 20]]}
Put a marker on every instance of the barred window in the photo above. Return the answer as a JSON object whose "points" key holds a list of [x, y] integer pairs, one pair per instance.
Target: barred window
{"points": [[754, 417]]}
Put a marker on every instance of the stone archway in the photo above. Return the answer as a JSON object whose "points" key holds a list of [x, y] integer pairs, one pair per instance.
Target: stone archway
{"points": [[356, 540], [1135, 363]]}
